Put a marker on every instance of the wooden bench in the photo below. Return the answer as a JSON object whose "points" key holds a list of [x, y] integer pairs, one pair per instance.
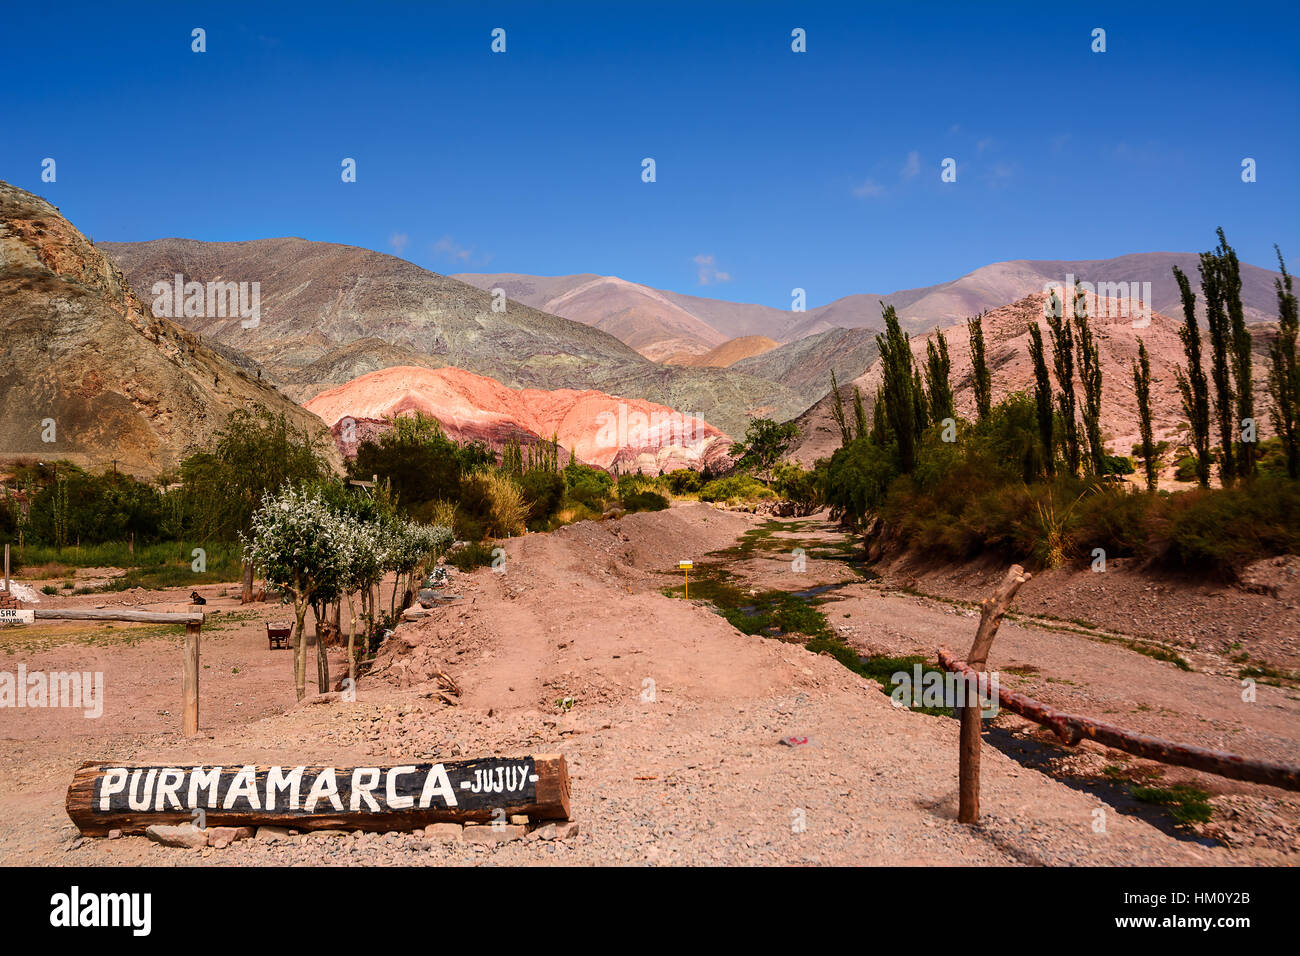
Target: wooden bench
{"points": [[277, 635]]}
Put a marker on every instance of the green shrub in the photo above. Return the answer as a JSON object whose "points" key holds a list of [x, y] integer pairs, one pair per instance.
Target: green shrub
{"points": [[644, 501], [802, 488], [492, 505], [474, 554], [544, 493], [684, 481], [1222, 529], [588, 486], [736, 489]]}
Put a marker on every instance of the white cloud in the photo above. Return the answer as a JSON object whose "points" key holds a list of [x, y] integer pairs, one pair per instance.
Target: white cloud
{"points": [[447, 248], [707, 271], [912, 168], [869, 190], [399, 241]]}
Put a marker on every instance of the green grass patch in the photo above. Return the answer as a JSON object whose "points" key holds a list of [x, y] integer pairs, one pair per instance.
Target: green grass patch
{"points": [[1186, 804]]}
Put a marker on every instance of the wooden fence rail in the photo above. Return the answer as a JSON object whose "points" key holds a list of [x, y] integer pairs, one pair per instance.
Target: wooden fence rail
{"points": [[1071, 729], [193, 621]]}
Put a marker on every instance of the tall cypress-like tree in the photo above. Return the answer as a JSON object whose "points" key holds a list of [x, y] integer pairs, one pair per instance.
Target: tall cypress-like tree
{"points": [[1216, 320], [1062, 335], [837, 412], [1284, 371], [1192, 384], [1090, 377], [1042, 397], [938, 371], [1242, 359], [982, 380], [920, 404], [879, 420], [898, 387], [859, 414], [1142, 389]]}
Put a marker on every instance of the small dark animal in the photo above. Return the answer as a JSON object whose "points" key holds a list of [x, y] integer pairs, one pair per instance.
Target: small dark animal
{"points": [[197, 598]]}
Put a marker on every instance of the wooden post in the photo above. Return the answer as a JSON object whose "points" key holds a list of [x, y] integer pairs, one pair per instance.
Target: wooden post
{"points": [[992, 610], [6, 568], [190, 680]]}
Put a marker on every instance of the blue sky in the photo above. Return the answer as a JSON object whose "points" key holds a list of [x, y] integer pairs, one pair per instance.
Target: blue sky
{"points": [[774, 169]]}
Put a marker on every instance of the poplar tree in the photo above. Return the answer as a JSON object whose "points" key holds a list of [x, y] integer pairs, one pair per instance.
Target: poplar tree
{"points": [[938, 369], [859, 413], [1216, 319], [1242, 357], [879, 421], [1142, 389], [1090, 377], [837, 412], [898, 387], [1284, 371], [1192, 384], [983, 381], [920, 406], [1042, 397], [1062, 335]]}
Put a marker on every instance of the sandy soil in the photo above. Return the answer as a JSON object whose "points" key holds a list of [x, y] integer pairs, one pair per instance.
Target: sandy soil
{"points": [[691, 773]]}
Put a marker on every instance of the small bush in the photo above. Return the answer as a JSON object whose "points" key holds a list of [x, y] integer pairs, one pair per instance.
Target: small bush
{"points": [[588, 486], [684, 481], [544, 493], [492, 504], [737, 489], [467, 557], [644, 501], [800, 487]]}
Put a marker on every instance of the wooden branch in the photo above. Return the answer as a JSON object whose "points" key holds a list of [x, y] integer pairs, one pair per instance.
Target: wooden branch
{"points": [[104, 614], [105, 796], [992, 610], [1071, 729]]}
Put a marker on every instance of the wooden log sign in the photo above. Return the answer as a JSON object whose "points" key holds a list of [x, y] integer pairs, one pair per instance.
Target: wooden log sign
{"points": [[106, 796]]}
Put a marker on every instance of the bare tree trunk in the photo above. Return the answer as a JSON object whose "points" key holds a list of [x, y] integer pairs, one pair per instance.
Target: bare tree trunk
{"points": [[322, 655], [246, 595], [352, 656], [299, 647], [992, 610]]}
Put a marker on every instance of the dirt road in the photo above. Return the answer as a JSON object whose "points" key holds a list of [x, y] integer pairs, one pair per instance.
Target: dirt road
{"points": [[671, 720]]}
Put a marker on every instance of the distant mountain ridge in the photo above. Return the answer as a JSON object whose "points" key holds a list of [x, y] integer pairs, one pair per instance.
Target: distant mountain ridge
{"points": [[919, 310]]}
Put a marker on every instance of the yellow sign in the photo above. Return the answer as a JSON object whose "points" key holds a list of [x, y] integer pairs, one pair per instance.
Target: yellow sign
{"points": [[686, 569]]}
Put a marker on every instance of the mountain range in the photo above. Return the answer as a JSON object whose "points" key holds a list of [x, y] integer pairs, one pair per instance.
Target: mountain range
{"points": [[919, 310]]}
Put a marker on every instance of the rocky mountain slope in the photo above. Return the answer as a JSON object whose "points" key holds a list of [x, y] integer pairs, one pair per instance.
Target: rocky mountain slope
{"points": [[599, 429], [805, 365], [86, 363], [330, 313], [727, 354], [1006, 342]]}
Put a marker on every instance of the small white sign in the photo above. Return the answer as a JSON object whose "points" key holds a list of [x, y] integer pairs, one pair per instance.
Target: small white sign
{"points": [[685, 564], [10, 615]]}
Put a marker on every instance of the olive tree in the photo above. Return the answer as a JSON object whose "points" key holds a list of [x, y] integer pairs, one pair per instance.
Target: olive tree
{"points": [[296, 538]]}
